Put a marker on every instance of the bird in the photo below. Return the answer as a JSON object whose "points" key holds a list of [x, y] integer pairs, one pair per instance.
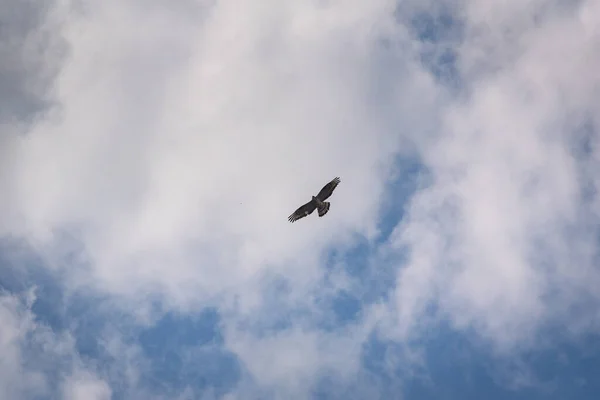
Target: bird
{"points": [[317, 202]]}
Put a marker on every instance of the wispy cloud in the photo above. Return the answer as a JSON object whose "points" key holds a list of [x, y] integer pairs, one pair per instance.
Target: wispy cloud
{"points": [[150, 154], [39, 362]]}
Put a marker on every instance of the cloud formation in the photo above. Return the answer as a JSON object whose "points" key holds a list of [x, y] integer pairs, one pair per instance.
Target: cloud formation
{"points": [[150, 154], [504, 236], [38, 362]]}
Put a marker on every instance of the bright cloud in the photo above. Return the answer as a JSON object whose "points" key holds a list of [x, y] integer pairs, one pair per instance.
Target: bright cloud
{"points": [[151, 152], [32, 354]]}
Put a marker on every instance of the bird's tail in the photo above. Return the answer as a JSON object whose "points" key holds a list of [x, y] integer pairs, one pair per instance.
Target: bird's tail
{"points": [[323, 209]]}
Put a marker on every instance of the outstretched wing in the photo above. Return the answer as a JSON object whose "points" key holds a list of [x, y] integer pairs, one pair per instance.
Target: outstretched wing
{"points": [[328, 189], [303, 211]]}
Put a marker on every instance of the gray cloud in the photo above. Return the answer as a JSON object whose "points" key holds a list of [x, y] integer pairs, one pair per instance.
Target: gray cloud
{"points": [[32, 50]]}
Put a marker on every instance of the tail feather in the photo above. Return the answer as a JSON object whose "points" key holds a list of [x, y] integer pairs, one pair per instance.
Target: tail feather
{"points": [[324, 208]]}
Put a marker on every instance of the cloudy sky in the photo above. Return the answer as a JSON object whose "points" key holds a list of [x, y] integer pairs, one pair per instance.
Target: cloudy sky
{"points": [[151, 151]]}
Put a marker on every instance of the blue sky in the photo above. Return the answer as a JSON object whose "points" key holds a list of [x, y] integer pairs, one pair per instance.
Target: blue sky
{"points": [[150, 154]]}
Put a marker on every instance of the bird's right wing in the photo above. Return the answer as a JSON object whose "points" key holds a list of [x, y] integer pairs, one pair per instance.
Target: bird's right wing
{"points": [[303, 211], [328, 189]]}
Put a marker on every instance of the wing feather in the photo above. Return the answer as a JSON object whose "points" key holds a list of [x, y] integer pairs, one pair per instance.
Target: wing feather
{"points": [[303, 211], [328, 189]]}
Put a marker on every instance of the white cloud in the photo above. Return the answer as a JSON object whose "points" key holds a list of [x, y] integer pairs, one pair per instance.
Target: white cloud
{"points": [[34, 357], [290, 361], [503, 234], [86, 387], [186, 134], [15, 381], [205, 134], [183, 141]]}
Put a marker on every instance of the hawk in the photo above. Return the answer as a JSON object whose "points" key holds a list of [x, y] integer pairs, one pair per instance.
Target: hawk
{"points": [[318, 202]]}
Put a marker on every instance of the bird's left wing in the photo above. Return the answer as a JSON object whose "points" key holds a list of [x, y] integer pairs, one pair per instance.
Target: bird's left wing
{"points": [[328, 189], [303, 211]]}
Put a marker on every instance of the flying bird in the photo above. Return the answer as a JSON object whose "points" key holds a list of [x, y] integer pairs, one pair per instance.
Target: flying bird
{"points": [[318, 202]]}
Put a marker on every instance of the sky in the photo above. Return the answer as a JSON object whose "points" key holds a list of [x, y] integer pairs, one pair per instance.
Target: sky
{"points": [[151, 152]]}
